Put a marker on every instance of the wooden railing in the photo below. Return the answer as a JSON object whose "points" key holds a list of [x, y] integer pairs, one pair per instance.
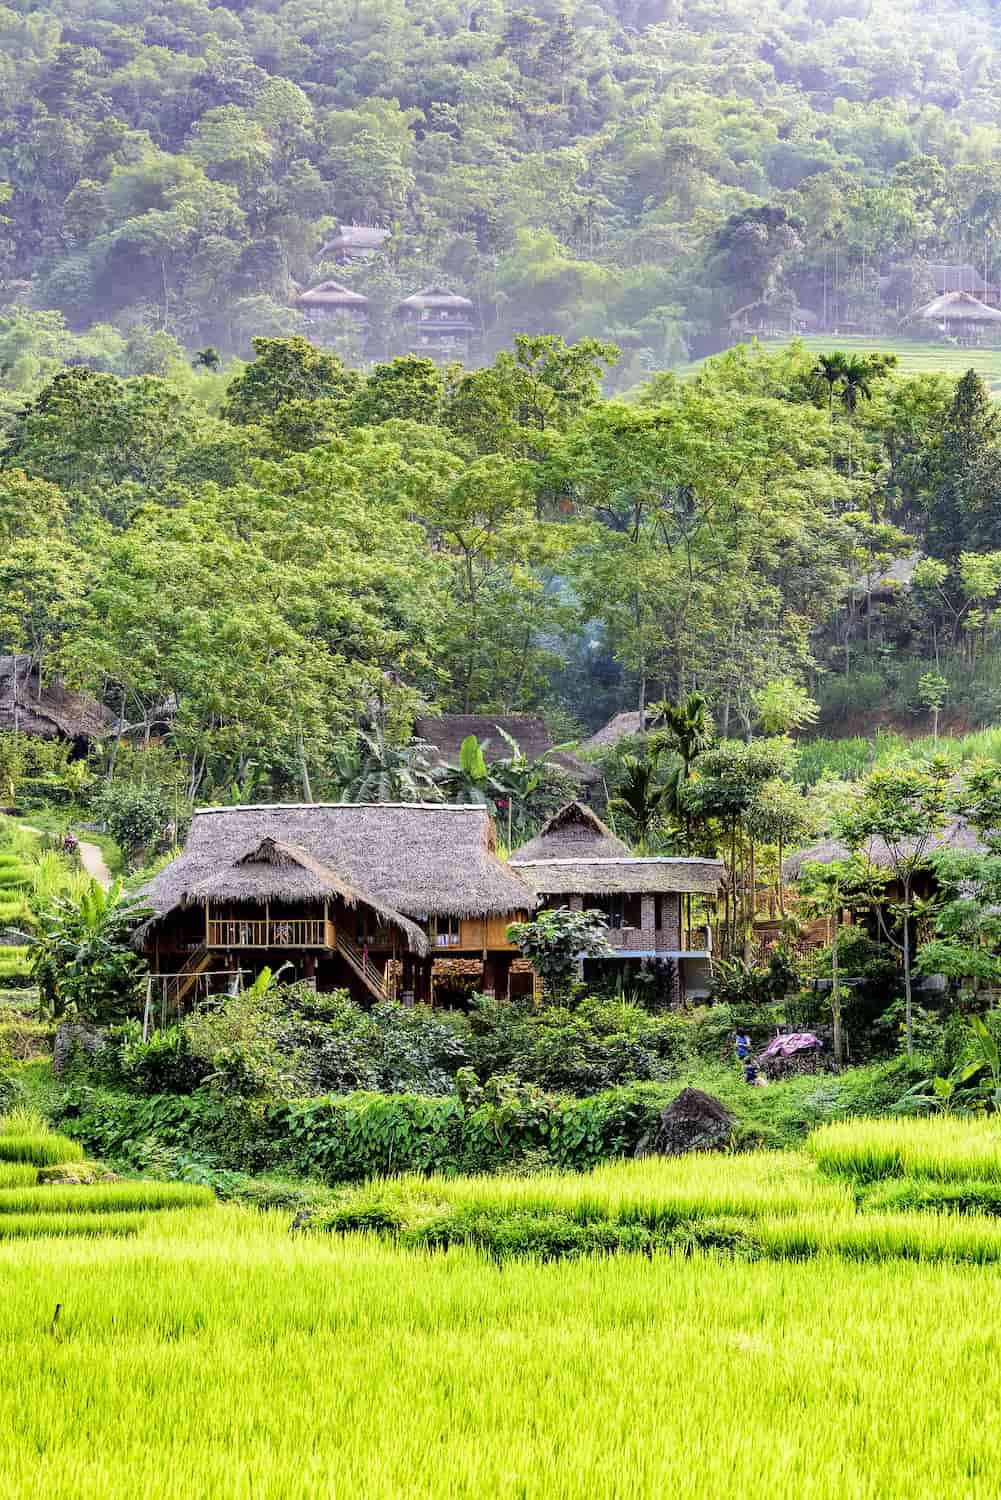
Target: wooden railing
{"points": [[276, 932]]}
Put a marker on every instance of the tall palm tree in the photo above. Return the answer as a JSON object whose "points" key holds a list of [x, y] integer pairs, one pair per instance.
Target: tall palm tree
{"points": [[830, 371], [856, 386]]}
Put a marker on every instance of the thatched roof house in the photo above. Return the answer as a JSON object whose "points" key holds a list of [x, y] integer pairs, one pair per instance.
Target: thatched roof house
{"points": [[47, 710], [575, 832], [446, 733], [331, 298], [957, 836], [958, 308], [411, 860], [615, 730]]}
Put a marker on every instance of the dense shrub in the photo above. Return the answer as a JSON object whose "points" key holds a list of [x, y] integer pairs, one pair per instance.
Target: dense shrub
{"points": [[290, 1041], [596, 1045], [500, 1125]]}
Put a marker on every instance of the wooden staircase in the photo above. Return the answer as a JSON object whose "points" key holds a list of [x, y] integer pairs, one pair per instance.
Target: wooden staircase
{"points": [[177, 988], [370, 975]]}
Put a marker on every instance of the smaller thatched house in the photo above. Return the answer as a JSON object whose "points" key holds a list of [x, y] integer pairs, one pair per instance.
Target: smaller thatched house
{"points": [[438, 323], [48, 710], [956, 835], [577, 861], [446, 733], [618, 728], [960, 314], [329, 301]]}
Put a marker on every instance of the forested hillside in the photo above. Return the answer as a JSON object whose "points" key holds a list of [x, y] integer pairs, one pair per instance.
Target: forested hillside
{"points": [[248, 567], [626, 169]]}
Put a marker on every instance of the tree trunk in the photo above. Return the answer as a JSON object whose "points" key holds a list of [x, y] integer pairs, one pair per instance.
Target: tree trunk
{"points": [[749, 917]]}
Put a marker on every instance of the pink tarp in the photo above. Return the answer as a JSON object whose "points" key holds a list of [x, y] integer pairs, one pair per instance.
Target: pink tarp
{"points": [[797, 1041]]}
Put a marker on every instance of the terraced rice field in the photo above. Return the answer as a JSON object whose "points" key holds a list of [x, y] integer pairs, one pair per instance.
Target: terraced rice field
{"points": [[213, 1354], [915, 356]]}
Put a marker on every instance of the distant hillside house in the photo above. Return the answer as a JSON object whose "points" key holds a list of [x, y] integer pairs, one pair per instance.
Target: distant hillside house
{"points": [[354, 242], [330, 302], [438, 323], [446, 733], [577, 861], [48, 710], [960, 314]]}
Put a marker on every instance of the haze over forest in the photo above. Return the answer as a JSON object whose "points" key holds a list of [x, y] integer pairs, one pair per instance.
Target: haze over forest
{"points": [[634, 170]]}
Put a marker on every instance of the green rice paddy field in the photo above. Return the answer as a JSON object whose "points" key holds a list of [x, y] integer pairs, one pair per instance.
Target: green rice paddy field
{"points": [[211, 1353], [915, 355]]}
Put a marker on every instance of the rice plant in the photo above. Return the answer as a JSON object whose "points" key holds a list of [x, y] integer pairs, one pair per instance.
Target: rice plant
{"points": [[39, 1150], [93, 1225], [103, 1198], [17, 1174], [942, 1148], [270, 1366]]}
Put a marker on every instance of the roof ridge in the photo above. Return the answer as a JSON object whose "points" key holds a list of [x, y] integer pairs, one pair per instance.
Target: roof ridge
{"points": [[200, 812], [623, 859]]}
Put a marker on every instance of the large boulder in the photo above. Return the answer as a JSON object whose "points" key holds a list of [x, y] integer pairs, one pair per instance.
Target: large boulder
{"points": [[694, 1121], [74, 1040]]}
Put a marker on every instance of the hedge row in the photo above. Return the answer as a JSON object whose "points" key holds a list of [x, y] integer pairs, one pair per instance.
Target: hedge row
{"points": [[352, 1137]]}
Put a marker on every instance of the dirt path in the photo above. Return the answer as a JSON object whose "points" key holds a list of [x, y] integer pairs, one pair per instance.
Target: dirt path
{"points": [[90, 857]]}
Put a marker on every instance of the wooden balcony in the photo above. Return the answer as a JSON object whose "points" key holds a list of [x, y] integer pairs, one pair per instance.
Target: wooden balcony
{"points": [[273, 932]]}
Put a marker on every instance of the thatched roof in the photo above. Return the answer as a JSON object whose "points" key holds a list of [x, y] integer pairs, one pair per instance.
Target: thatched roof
{"points": [[958, 307], [357, 237], [416, 859], [615, 730], [446, 733], [598, 877], [575, 832], [437, 296], [48, 710], [957, 835], [276, 871], [331, 295]]}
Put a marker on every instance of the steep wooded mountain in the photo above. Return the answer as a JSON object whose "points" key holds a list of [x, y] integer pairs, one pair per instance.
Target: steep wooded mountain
{"points": [[635, 169]]}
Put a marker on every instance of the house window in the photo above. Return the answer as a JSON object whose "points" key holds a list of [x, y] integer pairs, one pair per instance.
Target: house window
{"points": [[618, 909], [445, 932], [658, 912]]}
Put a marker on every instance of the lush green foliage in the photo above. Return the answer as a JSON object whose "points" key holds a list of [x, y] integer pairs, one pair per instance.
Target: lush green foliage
{"points": [[83, 958]]}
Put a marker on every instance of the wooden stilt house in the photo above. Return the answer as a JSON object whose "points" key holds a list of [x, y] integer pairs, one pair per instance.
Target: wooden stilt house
{"points": [[363, 896]]}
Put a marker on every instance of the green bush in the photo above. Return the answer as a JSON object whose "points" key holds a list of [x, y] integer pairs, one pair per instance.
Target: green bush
{"points": [[137, 817]]}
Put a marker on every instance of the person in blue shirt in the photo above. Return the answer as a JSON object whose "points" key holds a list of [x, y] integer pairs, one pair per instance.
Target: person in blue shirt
{"points": [[743, 1046]]}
